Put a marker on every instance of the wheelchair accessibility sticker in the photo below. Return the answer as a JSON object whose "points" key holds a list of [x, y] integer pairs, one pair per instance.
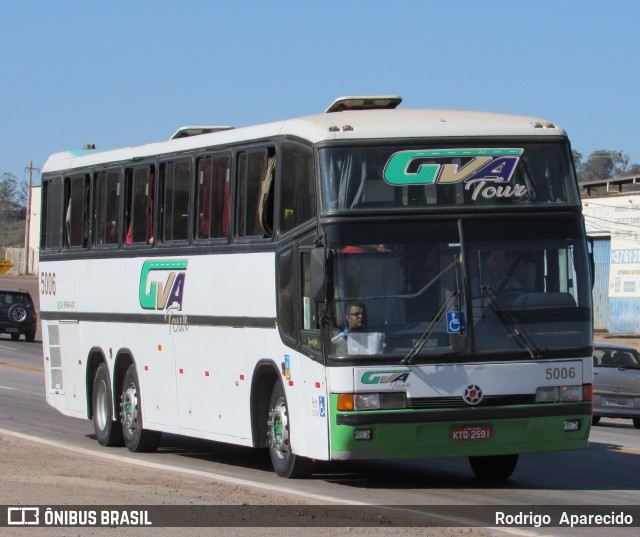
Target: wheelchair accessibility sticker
{"points": [[455, 322]]}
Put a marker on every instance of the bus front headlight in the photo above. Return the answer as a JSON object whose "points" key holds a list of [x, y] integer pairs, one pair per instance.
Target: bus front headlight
{"points": [[367, 401], [372, 401], [558, 394]]}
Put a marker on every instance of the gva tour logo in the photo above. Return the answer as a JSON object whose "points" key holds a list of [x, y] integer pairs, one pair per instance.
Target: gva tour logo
{"points": [[477, 168], [397, 378], [162, 289]]}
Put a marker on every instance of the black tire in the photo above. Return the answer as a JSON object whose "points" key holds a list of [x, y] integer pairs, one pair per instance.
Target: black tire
{"points": [[636, 423], [595, 420], [494, 467], [30, 336], [18, 314], [136, 437], [108, 432], [15, 337], [285, 463]]}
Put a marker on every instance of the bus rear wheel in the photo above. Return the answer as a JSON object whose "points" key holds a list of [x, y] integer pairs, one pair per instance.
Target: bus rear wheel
{"points": [[494, 466], [285, 462], [136, 438], [108, 432]]}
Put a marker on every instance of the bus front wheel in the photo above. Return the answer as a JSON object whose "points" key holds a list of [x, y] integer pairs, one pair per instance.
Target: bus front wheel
{"points": [[108, 432], [285, 462], [136, 438], [494, 466]]}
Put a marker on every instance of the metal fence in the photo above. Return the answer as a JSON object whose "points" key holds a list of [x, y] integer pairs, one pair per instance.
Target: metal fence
{"points": [[18, 258]]}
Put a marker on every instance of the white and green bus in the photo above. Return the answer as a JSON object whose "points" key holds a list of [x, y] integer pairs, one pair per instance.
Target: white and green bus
{"points": [[368, 283]]}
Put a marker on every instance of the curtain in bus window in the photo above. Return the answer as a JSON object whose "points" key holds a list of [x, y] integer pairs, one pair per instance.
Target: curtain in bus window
{"points": [[348, 172], [265, 204], [252, 168]]}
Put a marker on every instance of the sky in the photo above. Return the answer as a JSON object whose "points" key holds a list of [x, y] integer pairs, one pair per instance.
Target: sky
{"points": [[129, 72]]}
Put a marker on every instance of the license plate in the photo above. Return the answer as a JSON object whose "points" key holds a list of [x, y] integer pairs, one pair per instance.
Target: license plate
{"points": [[11, 330], [618, 401], [462, 433]]}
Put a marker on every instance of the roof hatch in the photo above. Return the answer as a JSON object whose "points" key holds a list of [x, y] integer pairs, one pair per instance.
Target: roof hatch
{"points": [[184, 132], [382, 102]]}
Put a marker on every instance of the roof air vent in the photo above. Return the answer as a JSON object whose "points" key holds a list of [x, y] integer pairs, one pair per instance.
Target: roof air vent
{"points": [[384, 102], [185, 132]]}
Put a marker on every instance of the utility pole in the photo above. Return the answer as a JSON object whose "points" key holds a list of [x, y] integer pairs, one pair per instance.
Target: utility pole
{"points": [[30, 169]]}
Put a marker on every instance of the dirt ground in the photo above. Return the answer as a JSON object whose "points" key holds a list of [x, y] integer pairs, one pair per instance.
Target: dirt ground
{"points": [[32, 474]]}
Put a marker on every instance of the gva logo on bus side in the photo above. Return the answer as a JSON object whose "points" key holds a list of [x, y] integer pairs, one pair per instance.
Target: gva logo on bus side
{"points": [[162, 288], [433, 166]]}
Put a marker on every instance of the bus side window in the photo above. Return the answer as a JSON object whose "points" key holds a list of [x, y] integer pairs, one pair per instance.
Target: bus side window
{"points": [[286, 293], [76, 215], [297, 204], [51, 218], [175, 200], [310, 322], [213, 197], [139, 206], [107, 195], [309, 307], [255, 193]]}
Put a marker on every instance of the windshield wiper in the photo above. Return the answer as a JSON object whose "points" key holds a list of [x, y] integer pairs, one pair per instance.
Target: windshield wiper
{"points": [[507, 318], [410, 357]]}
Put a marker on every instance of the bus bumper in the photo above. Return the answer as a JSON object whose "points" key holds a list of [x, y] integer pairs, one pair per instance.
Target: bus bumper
{"points": [[467, 432]]}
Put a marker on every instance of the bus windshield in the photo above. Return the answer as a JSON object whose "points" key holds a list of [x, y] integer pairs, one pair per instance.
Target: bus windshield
{"points": [[486, 174], [433, 291]]}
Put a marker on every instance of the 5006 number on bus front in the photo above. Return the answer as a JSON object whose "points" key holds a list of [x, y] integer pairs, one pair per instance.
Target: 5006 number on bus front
{"points": [[560, 373]]}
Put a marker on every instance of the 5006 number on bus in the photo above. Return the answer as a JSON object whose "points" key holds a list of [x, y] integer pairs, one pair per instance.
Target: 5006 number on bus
{"points": [[560, 373]]}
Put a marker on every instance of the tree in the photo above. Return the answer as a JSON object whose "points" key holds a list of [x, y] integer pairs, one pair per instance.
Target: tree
{"points": [[577, 159], [12, 210], [602, 164]]}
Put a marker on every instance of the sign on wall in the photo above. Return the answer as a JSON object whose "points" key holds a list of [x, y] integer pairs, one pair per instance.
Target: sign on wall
{"points": [[624, 275]]}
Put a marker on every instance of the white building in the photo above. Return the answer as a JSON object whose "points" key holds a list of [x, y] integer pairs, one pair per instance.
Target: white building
{"points": [[612, 216]]}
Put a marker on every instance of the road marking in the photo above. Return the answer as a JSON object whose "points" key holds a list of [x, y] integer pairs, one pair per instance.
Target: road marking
{"points": [[23, 367], [7, 388]]}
